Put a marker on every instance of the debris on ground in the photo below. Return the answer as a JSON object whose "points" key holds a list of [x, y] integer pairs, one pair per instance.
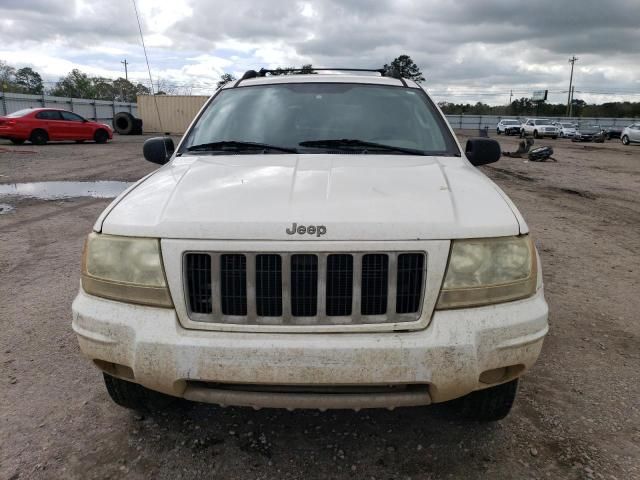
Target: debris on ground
{"points": [[525, 150]]}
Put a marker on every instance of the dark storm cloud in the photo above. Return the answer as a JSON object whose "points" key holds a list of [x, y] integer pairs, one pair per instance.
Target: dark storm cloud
{"points": [[490, 44], [61, 20]]}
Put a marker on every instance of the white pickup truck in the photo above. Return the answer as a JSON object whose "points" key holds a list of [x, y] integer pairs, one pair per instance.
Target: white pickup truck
{"points": [[539, 127], [314, 241]]}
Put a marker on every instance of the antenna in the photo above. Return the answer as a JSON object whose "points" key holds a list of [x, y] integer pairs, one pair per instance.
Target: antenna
{"points": [[155, 99]]}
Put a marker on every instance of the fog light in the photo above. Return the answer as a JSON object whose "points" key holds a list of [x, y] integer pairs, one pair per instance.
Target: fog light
{"points": [[493, 376]]}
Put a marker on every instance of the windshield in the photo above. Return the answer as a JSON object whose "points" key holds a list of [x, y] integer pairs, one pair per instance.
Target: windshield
{"points": [[510, 122], [568, 125], [20, 113], [543, 122], [285, 116]]}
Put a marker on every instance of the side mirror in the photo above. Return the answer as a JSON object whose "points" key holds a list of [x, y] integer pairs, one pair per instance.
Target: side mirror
{"points": [[158, 149], [480, 151]]}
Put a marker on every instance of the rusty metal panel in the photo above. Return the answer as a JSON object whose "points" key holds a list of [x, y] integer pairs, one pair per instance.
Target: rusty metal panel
{"points": [[174, 112]]}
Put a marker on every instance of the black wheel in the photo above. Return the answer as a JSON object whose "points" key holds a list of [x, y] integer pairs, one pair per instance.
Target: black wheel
{"points": [[137, 126], [101, 136], [16, 141], [133, 396], [625, 140], [497, 131], [535, 134], [491, 404], [123, 123], [554, 137], [39, 137]]}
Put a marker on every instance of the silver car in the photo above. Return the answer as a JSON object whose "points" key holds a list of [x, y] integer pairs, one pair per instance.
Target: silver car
{"points": [[566, 129], [631, 134]]}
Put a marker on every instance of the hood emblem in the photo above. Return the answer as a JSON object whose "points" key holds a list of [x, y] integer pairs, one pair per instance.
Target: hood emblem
{"points": [[317, 230]]}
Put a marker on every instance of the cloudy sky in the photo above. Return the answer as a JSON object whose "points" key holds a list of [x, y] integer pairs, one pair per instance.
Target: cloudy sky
{"points": [[468, 50]]}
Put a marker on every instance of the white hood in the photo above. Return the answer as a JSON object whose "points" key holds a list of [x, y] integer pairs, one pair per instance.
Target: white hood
{"points": [[356, 197]]}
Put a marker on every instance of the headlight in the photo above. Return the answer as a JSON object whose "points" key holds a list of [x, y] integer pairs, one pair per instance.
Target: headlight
{"points": [[489, 270], [127, 269]]}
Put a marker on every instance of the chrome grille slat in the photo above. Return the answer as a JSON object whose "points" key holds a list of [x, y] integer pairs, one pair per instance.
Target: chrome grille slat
{"points": [[322, 286], [304, 288], [392, 283]]}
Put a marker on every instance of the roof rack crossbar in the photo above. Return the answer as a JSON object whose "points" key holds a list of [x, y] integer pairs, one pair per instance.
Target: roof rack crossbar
{"points": [[264, 71]]}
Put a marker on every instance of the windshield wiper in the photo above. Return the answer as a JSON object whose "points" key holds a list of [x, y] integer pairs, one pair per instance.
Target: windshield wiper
{"points": [[237, 146], [355, 143]]}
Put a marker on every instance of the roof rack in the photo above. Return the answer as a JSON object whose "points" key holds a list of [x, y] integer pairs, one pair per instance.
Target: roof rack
{"points": [[263, 72]]}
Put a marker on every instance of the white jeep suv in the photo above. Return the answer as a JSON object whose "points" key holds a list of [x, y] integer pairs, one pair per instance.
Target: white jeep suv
{"points": [[539, 127], [314, 241]]}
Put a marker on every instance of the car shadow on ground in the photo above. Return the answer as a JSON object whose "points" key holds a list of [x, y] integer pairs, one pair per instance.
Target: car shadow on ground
{"points": [[310, 444]]}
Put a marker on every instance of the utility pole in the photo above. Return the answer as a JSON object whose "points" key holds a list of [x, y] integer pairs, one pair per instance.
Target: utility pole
{"points": [[126, 73], [572, 61], [572, 92]]}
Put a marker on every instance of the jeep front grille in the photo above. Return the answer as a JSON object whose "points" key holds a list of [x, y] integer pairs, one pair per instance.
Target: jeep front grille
{"points": [[304, 288]]}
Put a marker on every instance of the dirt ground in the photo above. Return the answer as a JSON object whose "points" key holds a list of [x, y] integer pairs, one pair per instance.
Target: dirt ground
{"points": [[578, 411]]}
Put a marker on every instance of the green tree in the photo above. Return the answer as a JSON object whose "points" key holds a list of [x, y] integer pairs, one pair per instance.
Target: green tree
{"points": [[29, 81], [102, 88], [7, 77], [76, 84], [224, 79], [404, 67], [126, 91]]}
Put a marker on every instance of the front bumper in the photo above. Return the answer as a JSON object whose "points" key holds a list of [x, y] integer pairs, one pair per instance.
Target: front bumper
{"points": [[148, 346]]}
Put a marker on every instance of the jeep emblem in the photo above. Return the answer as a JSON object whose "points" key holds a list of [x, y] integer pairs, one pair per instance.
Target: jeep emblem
{"points": [[317, 230]]}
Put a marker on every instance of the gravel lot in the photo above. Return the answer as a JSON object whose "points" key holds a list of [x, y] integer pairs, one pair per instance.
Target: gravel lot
{"points": [[578, 412]]}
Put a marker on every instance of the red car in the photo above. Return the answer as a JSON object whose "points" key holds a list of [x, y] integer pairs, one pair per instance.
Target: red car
{"points": [[40, 125]]}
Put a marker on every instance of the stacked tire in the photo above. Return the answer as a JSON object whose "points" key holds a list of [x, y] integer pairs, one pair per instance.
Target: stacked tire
{"points": [[126, 124]]}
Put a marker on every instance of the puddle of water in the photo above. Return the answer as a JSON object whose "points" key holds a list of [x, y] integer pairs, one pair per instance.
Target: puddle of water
{"points": [[5, 208], [62, 190]]}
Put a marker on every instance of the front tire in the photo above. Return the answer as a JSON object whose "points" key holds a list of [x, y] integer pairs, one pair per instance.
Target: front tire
{"points": [[101, 136], [625, 140], [554, 137], [498, 131], [133, 396], [39, 137], [491, 404], [535, 134]]}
